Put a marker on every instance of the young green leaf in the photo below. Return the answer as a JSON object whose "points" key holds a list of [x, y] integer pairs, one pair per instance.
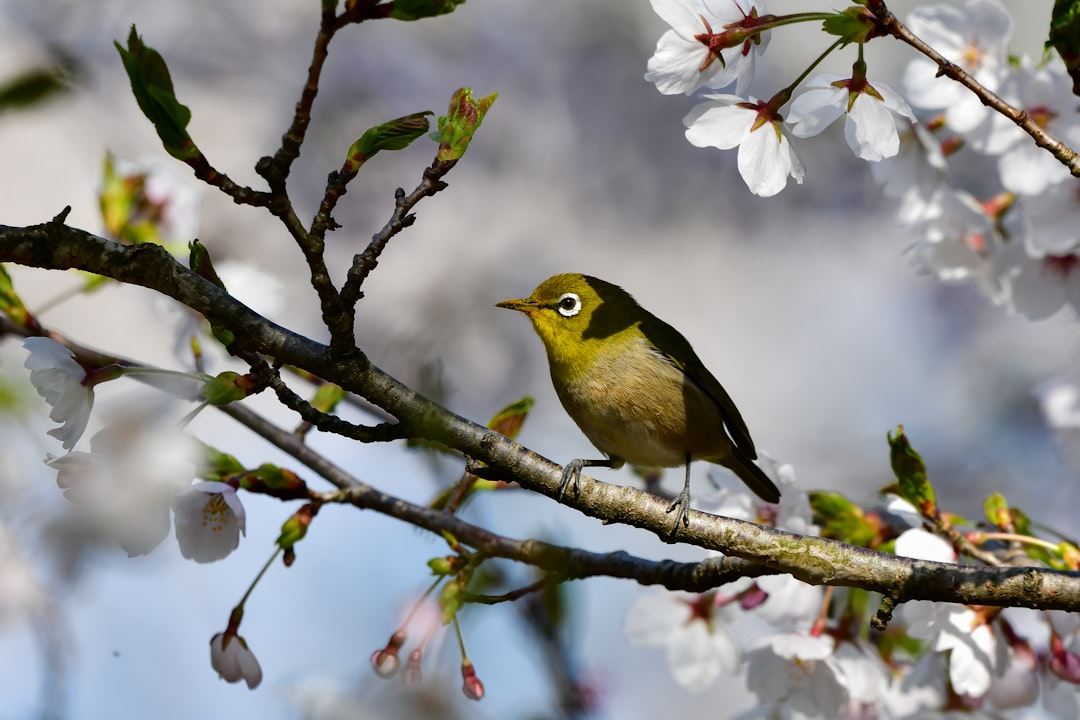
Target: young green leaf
{"points": [[417, 9], [153, 90], [509, 420], [397, 134], [910, 471], [461, 121]]}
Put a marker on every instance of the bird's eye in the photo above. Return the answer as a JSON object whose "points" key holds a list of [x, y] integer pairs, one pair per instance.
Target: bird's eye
{"points": [[569, 304]]}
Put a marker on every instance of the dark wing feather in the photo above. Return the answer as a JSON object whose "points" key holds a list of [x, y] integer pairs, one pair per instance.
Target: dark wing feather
{"points": [[669, 343]]}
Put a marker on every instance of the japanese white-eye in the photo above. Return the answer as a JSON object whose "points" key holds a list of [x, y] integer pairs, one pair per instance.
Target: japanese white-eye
{"points": [[635, 386]]}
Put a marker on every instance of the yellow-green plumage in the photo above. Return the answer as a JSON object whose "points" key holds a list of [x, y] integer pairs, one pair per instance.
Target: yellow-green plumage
{"points": [[634, 385]]}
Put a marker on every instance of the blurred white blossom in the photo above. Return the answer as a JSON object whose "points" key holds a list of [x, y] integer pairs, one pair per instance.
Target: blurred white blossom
{"points": [[975, 653], [125, 486], [693, 630], [58, 378], [976, 38], [233, 660]]}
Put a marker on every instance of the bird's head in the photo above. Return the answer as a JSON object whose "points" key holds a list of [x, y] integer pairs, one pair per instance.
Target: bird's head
{"points": [[576, 314]]}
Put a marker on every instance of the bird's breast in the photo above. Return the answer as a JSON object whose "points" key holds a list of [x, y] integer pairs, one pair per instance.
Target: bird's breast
{"points": [[634, 404]]}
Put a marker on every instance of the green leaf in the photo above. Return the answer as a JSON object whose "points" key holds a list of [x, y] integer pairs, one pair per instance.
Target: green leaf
{"points": [[1064, 37], [11, 304], [226, 388], [447, 565], [396, 134], [153, 90], [417, 9], [853, 25], [278, 482], [910, 471], [461, 121], [199, 261], [997, 512], [327, 396], [295, 528], [35, 86], [842, 519], [216, 465], [450, 600], [509, 420]]}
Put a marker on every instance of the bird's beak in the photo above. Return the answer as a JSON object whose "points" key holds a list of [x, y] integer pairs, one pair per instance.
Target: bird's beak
{"points": [[525, 305]]}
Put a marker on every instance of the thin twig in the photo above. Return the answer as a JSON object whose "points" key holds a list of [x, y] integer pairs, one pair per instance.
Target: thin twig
{"points": [[891, 25], [240, 194], [383, 432], [513, 594], [364, 263]]}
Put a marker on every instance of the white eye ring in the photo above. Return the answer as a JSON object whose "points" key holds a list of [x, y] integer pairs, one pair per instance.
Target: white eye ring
{"points": [[569, 304]]}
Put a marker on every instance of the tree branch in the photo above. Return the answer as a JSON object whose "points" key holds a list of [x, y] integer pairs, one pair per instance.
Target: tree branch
{"points": [[891, 25], [813, 560], [400, 219]]}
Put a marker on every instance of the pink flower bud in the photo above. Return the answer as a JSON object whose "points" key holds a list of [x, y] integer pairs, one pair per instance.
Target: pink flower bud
{"points": [[413, 676], [472, 687], [385, 662], [1063, 663]]}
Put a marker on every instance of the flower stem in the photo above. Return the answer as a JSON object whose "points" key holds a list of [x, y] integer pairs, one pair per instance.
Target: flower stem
{"points": [[273, 557]]}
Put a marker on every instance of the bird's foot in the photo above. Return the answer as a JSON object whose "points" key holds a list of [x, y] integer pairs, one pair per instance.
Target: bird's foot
{"points": [[682, 503], [571, 473]]}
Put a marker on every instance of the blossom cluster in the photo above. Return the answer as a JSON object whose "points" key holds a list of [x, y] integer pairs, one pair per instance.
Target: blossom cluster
{"points": [[989, 205], [715, 44], [802, 654]]}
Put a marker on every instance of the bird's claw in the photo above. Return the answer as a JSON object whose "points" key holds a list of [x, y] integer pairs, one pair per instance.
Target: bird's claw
{"points": [[682, 502], [571, 473]]}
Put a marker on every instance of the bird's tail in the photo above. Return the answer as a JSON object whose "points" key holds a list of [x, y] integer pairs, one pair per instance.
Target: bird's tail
{"points": [[753, 476]]}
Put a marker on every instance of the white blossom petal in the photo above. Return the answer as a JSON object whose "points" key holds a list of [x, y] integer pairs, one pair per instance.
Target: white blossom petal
{"points": [[58, 378], [233, 660], [209, 520]]}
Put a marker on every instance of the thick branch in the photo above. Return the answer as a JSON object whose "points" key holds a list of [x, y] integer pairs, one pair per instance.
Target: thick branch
{"points": [[570, 563], [813, 560]]}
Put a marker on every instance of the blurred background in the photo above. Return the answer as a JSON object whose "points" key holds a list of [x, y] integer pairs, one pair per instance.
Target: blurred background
{"points": [[804, 305]]}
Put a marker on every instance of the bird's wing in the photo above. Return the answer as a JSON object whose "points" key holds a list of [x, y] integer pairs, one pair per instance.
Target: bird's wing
{"points": [[669, 344]]}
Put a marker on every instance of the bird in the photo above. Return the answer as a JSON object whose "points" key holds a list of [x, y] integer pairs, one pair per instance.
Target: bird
{"points": [[635, 387]]}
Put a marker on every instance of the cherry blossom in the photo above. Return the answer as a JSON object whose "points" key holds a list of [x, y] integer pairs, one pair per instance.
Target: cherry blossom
{"points": [[792, 513], [1044, 92], [209, 519], [687, 56], [692, 628], [962, 244], [868, 109], [59, 379], [915, 174], [918, 543], [233, 660], [124, 486], [796, 671], [975, 652], [766, 158], [976, 38]]}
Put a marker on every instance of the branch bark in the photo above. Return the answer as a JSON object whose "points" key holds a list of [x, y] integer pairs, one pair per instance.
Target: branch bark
{"points": [[54, 245]]}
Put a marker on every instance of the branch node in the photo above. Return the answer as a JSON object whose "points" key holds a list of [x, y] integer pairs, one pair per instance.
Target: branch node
{"points": [[884, 613], [61, 217]]}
